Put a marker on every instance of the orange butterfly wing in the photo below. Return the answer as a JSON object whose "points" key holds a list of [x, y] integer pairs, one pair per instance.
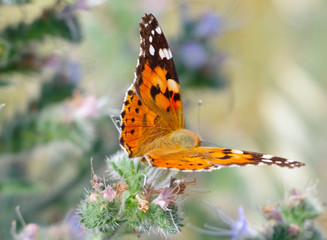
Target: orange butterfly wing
{"points": [[210, 158], [152, 120], [136, 121], [152, 106], [156, 80]]}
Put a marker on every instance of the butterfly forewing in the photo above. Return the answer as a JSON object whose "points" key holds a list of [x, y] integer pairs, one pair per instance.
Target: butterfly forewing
{"points": [[152, 106], [156, 80]]}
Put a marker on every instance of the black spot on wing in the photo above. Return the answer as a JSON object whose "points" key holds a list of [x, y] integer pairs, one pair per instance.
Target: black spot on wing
{"points": [[154, 91], [227, 151], [177, 97], [167, 94], [123, 114]]}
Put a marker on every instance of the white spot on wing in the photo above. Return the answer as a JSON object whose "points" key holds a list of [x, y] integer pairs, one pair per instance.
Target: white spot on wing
{"points": [[169, 54], [267, 156], [150, 38], [164, 53], [151, 50], [158, 30], [266, 160], [173, 85], [237, 151], [152, 32], [161, 53]]}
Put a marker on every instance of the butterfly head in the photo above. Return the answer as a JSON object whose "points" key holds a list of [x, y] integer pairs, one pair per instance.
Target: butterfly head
{"points": [[185, 138]]}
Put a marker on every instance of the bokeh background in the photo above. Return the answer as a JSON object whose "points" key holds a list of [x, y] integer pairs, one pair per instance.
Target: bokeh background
{"points": [[258, 67]]}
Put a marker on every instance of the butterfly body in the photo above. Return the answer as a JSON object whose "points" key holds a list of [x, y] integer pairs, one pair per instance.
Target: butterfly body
{"points": [[152, 118]]}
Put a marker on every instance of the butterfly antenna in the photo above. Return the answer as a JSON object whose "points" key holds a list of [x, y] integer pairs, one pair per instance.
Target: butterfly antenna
{"points": [[116, 122], [199, 107]]}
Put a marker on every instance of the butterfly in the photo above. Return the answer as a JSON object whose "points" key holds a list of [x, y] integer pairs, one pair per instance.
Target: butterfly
{"points": [[152, 119]]}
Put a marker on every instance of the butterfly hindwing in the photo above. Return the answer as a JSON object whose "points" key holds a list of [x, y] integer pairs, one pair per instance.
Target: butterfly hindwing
{"points": [[209, 158], [136, 120]]}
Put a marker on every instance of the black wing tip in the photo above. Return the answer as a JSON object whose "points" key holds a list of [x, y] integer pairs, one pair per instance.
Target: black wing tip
{"points": [[147, 16], [298, 164], [148, 19]]}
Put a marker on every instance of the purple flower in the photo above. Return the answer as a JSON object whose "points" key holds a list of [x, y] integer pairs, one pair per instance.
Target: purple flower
{"points": [[237, 228], [74, 72], [193, 55], [240, 228], [296, 197], [165, 198], [70, 9], [208, 25], [109, 194], [75, 228], [273, 213], [69, 69], [168, 195]]}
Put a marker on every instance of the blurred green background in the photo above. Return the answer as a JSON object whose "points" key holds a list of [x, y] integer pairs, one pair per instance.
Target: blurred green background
{"points": [[259, 68]]}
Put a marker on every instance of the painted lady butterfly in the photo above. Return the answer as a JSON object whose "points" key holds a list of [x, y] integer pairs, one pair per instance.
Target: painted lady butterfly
{"points": [[152, 119]]}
